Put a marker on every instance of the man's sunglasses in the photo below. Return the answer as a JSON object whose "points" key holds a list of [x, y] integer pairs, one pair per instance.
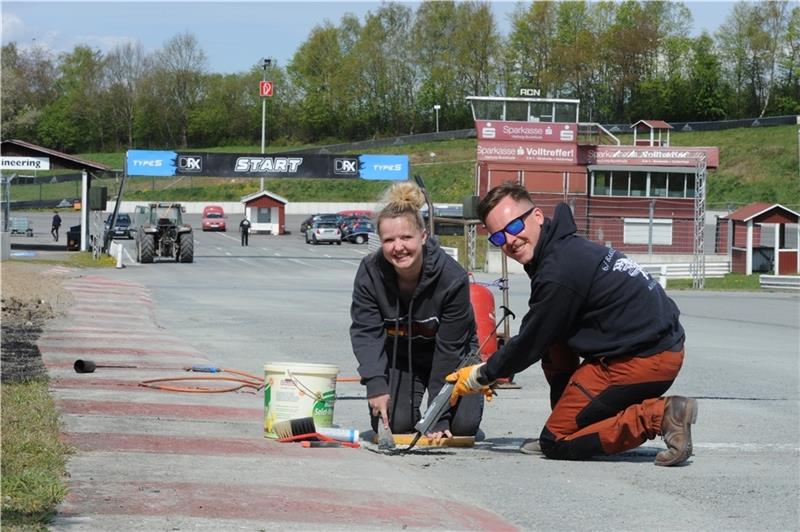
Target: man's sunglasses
{"points": [[513, 228]]}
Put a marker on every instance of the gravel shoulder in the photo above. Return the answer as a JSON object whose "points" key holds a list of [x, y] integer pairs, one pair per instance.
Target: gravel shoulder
{"points": [[29, 299]]}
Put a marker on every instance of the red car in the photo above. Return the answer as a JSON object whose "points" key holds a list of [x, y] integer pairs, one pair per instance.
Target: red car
{"points": [[214, 218]]}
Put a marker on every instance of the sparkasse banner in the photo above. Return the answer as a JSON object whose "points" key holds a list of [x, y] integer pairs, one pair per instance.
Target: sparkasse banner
{"points": [[170, 163], [526, 131], [653, 155], [532, 153]]}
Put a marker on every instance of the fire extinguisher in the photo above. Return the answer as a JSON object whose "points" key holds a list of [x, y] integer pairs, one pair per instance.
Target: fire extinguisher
{"points": [[483, 307]]}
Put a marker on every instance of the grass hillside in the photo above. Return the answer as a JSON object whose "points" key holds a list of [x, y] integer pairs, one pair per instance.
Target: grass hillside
{"points": [[756, 164]]}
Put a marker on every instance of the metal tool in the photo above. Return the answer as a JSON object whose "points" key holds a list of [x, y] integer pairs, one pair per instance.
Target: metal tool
{"points": [[88, 366], [441, 402], [385, 437]]}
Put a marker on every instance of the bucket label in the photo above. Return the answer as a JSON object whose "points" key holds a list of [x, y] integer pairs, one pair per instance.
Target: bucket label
{"points": [[323, 409], [300, 396]]}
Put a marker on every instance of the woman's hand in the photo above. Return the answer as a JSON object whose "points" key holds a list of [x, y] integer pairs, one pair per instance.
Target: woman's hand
{"points": [[437, 437], [379, 405]]}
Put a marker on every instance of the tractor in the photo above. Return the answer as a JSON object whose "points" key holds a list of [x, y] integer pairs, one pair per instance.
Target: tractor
{"points": [[160, 232]]}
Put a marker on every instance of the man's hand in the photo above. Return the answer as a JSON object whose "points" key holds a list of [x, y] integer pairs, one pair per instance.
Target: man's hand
{"points": [[437, 437], [379, 405], [466, 382]]}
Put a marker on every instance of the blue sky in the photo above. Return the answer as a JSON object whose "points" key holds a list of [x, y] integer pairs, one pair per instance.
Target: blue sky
{"points": [[234, 35]]}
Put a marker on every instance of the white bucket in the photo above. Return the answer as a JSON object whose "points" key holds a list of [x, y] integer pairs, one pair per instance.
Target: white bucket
{"points": [[295, 390]]}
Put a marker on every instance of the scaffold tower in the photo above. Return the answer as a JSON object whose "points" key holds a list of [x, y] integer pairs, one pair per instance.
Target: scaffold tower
{"points": [[699, 257]]}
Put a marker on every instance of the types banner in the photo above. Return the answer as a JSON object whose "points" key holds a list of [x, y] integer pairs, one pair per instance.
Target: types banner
{"points": [[170, 163]]}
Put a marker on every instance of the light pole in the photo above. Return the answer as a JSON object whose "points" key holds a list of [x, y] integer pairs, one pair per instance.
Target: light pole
{"points": [[265, 63], [436, 108]]}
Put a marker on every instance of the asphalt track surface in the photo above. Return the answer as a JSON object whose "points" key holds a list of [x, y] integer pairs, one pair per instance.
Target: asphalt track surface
{"points": [[158, 460]]}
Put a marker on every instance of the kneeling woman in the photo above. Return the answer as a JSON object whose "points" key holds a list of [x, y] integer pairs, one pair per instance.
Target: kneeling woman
{"points": [[412, 321]]}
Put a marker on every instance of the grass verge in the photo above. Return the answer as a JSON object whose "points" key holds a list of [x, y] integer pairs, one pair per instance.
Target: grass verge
{"points": [[78, 259], [34, 459], [732, 281]]}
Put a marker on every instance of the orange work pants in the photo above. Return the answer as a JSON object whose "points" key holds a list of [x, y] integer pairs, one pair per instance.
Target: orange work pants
{"points": [[604, 406]]}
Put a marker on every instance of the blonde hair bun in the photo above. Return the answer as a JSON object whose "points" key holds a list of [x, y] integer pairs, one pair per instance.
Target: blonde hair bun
{"points": [[405, 195]]}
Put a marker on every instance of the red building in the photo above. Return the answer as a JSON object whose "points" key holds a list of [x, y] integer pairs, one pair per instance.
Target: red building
{"points": [[739, 235], [266, 212], [615, 191]]}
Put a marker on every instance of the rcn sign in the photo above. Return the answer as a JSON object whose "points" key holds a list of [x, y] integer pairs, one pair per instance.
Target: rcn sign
{"points": [[24, 163]]}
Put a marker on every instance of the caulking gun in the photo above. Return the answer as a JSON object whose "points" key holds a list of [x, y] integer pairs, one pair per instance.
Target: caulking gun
{"points": [[441, 402]]}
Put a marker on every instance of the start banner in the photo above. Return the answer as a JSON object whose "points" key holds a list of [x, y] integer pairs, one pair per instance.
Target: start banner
{"points": [[171, 163]]}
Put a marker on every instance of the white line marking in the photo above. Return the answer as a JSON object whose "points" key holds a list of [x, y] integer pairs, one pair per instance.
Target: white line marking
{"points": [[298, 261], [248, 262], [350, 262], [748, 447], [277, 254], [326, 256], [228, 253], [265, 249]]}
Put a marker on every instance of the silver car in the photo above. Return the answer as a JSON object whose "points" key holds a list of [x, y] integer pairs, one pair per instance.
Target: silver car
{"points": [[324, 232]]}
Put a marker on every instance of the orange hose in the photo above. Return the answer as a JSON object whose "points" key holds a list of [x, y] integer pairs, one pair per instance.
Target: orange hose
{"points": [[250, 382], [194, 390]]}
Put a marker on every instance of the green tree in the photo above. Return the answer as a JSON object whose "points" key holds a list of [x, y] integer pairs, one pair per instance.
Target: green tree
{"points": [[707, 90], [75, 120], [315, 69], [179, 67], [787, 91], [529, 48], [26, 79], [126, 66], [456, 46], [750, 41]]}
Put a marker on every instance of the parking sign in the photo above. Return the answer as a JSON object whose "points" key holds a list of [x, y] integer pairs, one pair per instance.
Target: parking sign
{"points": [[265, 88]]}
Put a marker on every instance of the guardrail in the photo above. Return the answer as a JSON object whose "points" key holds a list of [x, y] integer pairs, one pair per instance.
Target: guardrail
{"points": [[791, 282], [682, 270]]}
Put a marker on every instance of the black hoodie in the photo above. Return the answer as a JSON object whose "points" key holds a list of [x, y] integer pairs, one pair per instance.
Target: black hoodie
{"points": [[442, 322], [593, 298]]}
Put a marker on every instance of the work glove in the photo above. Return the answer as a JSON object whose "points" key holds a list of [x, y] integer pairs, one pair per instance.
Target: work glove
{"points": [[466, 383]]}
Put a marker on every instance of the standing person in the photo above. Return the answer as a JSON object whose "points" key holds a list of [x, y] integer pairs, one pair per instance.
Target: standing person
{"points": [[244, 228], [412, 321], [592, 302], [55, 225]]}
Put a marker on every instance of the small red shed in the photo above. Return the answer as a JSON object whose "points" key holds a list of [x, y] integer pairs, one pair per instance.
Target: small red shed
{"points": [[655, 133], [266, 212], [741, 229]]}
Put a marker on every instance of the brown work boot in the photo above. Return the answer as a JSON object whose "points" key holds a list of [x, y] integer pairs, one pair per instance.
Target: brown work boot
{"points": [[676, 430]]}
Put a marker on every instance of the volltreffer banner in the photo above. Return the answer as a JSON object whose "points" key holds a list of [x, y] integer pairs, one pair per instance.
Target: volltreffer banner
{"points": [[170, 163]]}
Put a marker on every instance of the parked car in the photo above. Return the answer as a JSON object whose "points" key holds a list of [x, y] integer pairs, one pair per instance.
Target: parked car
{"points": [[214, 218], [347, 221], [323, 231], [122, 226], [325, 217], [359, 231]]}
